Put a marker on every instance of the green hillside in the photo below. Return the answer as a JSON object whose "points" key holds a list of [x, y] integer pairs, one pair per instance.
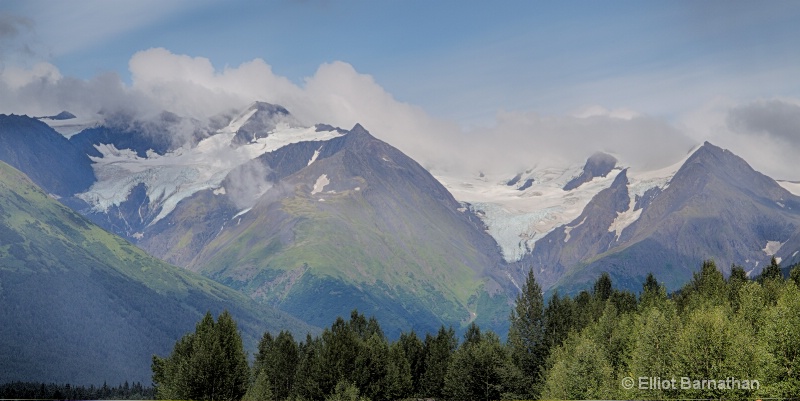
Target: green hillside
{"points": [[81, 305], [381, 236]]}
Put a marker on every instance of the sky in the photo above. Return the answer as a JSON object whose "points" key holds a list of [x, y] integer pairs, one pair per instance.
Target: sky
{"points": [[497, 86]]}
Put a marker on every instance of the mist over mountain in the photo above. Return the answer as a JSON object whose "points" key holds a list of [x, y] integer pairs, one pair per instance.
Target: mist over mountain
{"points": [[316, 220]]}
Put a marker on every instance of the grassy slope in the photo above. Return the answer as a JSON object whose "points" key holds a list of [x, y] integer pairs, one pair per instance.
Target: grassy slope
{"points": [[84, 306], [319, 259]]}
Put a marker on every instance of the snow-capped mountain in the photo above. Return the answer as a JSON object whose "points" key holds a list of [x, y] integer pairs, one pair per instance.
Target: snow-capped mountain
{"points": [[606, 217], [522, 210], [143, 170], [278, 210]]}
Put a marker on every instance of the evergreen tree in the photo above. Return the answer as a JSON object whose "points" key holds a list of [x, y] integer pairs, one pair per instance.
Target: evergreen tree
{"points": [[414, 352], [603, 288], [308, 377], [208, 364], [707, 287], [438, 351], [653, 293], [399, 382], [260, 390], [473, 334], [481, 369], [340, 348], [526, 334], [736, 281], [559, 320], [772, 271], [794, 275], [371, 367], [278, 358]]}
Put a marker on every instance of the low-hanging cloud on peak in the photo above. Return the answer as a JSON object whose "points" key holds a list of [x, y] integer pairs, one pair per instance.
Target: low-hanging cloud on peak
{"points": [[339, 95]]}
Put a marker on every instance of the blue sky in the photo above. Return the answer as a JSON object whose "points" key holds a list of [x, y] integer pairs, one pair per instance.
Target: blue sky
{"points": [[461, 62]]}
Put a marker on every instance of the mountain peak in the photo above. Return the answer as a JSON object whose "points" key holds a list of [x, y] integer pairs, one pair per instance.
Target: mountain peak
{"points": [[358, 128], [268, 108], [258, 120], [598, 164], [64, 115]]}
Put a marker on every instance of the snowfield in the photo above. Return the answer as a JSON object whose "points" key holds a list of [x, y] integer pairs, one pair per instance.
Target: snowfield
{"points": [[179, 174], [517, 219]]}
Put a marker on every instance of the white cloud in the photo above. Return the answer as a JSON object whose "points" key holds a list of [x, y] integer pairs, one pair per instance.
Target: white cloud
{"points": [[765, 132], [337, 94]]}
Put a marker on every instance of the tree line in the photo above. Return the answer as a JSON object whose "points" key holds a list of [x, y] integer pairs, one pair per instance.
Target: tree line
{"points": [[581, 347], [52, 391]]}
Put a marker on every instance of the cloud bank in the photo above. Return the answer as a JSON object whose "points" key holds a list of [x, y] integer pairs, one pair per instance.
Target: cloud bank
{"points": [[337, 94]]}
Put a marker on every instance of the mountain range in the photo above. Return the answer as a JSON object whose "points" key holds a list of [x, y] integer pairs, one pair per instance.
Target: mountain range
{"points": [[314, 221], [82, 305]]}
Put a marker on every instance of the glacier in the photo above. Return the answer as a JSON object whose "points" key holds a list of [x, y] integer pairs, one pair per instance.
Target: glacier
{"points": [[183, 172]]}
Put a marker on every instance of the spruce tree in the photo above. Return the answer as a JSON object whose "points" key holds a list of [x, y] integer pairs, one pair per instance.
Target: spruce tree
{"points": [[772, 271], [438, 351], [526, 334], [414, 352], [208, 364]]}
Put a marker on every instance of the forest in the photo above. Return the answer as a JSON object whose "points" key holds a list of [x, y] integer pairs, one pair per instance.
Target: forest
{"points": [[715, 338]]}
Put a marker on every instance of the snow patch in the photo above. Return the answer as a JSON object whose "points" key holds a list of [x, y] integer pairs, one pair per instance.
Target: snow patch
{"points": [[319, 186], [772, 247], [314, 157], [568, 229], [241, 213], [219, 191]]}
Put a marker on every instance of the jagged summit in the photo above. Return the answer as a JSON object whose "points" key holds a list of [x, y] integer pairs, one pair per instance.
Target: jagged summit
{"points": [[598, 165], [258, 121]]}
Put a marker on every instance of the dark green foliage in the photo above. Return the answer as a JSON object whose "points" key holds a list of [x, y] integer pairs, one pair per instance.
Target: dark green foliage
{"points": [[708, 285], [695, 333], [275, 357], [209, 364], [772, 272], [559, 318], [309, 370], [42, 391], [481, 369], [260, 390], [399, 380], [653, 293], [794, 275], [603, 287], [414, 352], [438, 351], [527, 334]]}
